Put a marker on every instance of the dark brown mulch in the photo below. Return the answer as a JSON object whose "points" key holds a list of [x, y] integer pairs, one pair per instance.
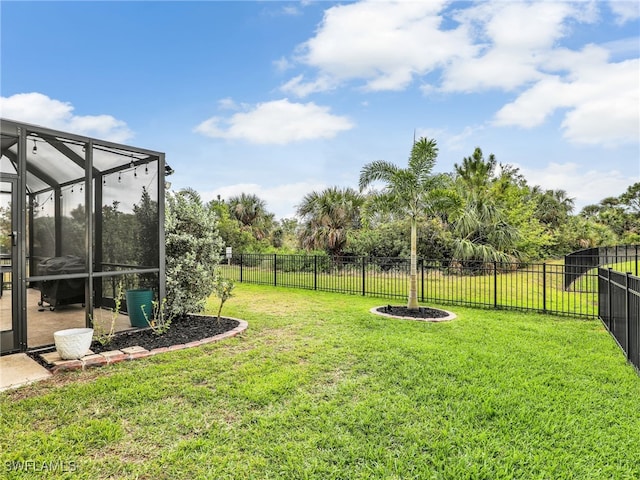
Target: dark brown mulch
{"points": [[422, 312], [183, 330]]}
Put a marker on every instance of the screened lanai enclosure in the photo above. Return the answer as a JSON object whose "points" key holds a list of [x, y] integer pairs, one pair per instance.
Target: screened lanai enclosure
{"points": [[79, 218]]}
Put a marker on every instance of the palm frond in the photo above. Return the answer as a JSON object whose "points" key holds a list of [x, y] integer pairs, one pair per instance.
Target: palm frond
{"points": [[380, 170], [423, 157]]}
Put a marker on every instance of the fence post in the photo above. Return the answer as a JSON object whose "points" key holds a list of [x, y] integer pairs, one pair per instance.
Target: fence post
{"points": [[636, 260], [626, 315], [275, 271], [495, 284], [364, 266], [422, 279], [609, 312], [544, 287], [241, 268], [315, 272]]}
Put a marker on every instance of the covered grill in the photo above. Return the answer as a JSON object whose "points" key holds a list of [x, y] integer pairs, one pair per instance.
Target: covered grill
{"points": [[64, 291]]}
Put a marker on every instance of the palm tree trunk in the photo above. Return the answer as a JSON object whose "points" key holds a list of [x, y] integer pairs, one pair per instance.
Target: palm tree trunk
{"points": [[413, 273]]}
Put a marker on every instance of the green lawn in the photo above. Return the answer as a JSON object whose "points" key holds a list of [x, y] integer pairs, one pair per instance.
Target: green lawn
{"points": [[320, 388], [533, 287]]}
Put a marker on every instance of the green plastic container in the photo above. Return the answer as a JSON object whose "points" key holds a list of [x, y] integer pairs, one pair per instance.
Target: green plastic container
{"points": [[138, 299]]}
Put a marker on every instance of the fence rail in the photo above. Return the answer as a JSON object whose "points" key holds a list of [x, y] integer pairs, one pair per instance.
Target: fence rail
{"points": [[619, 310], [580, 262], [533, 287]]}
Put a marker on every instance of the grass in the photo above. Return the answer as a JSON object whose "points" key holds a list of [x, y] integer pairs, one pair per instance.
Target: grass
{"points": [[529, 288], [320, 388]]}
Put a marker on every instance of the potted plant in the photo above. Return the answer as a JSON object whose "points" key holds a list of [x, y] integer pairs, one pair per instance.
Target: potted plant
{"points": [[73, 343]]}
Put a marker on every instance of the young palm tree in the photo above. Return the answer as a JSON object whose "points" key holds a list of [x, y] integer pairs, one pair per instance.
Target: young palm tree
{"points": [[412, 192]]}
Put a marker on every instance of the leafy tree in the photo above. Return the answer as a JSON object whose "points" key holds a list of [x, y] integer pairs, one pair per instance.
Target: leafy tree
{"points": [[146, 240], [252, 214], [391, 238], [146, 216], [284, 234], [411, 192], [553, 207], [476, 173], [581, 233], [481, 228], [231, 231], [193, 249], [327, 217], [117, 243], [482, 233], [631, 199], [620, 214]]}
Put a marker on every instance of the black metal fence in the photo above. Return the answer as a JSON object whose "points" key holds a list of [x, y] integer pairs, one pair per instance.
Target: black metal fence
{"points": [[532, 287], [580, 262], [619, 310]]}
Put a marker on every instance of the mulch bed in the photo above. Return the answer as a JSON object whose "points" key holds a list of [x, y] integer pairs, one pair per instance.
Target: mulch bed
{"points": [[421, 313], [183, 330]]}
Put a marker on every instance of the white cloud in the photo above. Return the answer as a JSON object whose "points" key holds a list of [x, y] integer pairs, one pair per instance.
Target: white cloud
{"points": [[282, 64], [39, 109], [451, 141], [504, 45], [602, 99], [513, 40], [499, 68], [585, 186], [532, 107], [623, 47], [298, 87], [517, 24], [386, 44], [291, 10], [625, 10], [227, 104], [280, 199], [277, 122]]}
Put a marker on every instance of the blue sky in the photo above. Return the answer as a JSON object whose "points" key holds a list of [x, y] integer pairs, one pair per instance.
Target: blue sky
{"points": [[283, 98]]}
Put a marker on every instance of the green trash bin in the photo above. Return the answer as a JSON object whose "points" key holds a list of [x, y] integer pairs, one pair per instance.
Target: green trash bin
{"points": [[137, 299]]}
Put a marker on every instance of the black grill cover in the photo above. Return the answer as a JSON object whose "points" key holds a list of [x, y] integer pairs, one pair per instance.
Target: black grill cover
{"points": [[63, 291]]}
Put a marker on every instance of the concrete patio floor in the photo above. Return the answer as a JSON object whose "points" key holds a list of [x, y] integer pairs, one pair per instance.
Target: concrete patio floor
{"points": [[20, 369]]}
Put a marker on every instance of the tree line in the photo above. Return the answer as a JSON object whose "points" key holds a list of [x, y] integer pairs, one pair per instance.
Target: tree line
{"points": [[481, 211]]}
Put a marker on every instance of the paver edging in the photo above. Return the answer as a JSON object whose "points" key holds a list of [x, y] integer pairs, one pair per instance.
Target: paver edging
{"points": [[135, 352]]}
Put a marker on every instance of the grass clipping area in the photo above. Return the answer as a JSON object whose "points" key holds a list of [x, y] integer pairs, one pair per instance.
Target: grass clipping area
{"points": [[318, 387]]}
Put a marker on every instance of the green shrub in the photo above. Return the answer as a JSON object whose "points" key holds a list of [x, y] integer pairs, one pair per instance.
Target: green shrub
{"points": [[192, 252]]}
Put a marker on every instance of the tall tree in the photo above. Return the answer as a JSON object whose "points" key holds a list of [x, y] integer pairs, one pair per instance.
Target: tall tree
{"points": [[411, 192], [554, 207], [476, 172], [621, 214], [327, 217], [482, 228], [251, 212]]}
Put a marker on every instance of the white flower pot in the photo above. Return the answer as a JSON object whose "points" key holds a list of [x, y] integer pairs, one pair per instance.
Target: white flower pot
{"points": [[73, 343]]}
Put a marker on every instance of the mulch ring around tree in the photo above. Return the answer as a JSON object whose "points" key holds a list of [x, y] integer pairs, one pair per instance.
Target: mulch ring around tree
{"points": [[423, 314]]}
